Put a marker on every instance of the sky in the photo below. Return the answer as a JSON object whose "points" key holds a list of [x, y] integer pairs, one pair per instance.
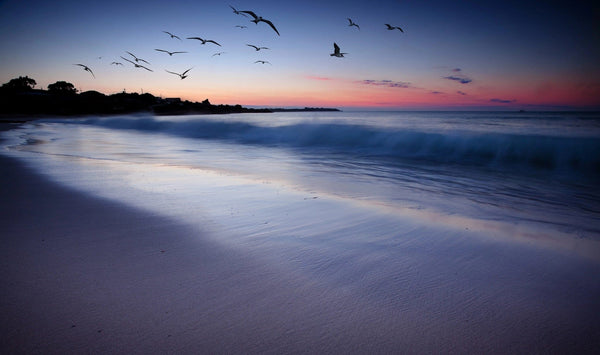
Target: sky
{"points": [[459, 54]]}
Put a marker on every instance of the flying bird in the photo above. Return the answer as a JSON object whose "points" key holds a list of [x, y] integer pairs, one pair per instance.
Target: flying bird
{"points": [[391, 28], [182, 75], [240, 26], [136, 64], [262, 62], [258, 19], [256, 47], [353, 24], [116, 63], [86, 68], [218, 53], [237, 12], [136, 58], [336, 51], [204, 40], [172, 35], [169, 53]]}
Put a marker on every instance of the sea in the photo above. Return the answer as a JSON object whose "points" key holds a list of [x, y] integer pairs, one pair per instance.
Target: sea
{"points": [[370, 203]]}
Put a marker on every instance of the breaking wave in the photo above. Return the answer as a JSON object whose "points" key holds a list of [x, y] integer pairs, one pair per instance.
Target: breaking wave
{"points": [[502, 150]]}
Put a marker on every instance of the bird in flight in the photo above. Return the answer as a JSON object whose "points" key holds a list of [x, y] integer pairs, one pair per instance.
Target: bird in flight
{"points": [[258, 19], [182, 75], [136, 58], [240, 26], [116, 63], [169, 53], [204, 40], [336, 51], [256, 47], [136, 64], [86, 68], [172, 35], [391, 28], [353, 24], [262, 62], [237, 12], [218, 53]]}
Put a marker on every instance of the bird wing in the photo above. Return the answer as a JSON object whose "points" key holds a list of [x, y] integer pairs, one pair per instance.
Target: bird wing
{"points": [[198, 38], [131, 54], [251, 14], [185, 72], [211, 41], [179, 52], [173, 72], [272, 25], [141, 66], [336, 48], [127, 59], [253, 46], [141, 60], [161, 50]]}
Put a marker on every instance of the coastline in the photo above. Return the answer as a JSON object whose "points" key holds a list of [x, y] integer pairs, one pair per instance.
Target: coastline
{"points": [[87, 274]]}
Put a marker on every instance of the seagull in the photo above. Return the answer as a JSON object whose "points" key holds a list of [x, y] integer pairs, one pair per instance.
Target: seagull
{"points": [[255, 47], [391, 28], [172, 35], [258, 19], [240, 26], [336, 51], [262, 62], [136, 58], [116, 63], [353, 24], [237, 12], [219, 53], [169, 53], [204, 40], [136, 64], [86, 68], [182, 75]]}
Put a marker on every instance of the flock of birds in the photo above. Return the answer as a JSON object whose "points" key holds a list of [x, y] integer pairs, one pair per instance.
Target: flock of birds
{"points": [[255, 18]]}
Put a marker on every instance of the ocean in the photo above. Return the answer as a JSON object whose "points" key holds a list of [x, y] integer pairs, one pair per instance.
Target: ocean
{"points": [[454, 216]]}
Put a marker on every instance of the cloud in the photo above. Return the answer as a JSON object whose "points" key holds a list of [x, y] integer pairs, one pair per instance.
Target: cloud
{"points": [[388, 83], [461, 79], [456, 70], [461, 93], [436, 92], [502, 101]]}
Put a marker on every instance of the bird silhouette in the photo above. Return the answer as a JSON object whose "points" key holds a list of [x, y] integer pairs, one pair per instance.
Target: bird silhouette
{"points": [[256, 47], [240, 26], [169, 53], [391, 28], [258, 19], [353, 24], [218, 53], [172, 35], [204, 40], [262, 62], [237, 12], [86, 68], [136, 64], [136, 58], [116, 63], [182, 75], [336, 51]]}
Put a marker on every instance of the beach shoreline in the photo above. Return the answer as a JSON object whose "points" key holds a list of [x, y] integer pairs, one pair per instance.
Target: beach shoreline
{"points": [[89, 274]]}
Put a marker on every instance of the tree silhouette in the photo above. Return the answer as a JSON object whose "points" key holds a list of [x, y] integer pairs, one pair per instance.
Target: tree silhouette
{"points": [[62, 88], [20, 84]]}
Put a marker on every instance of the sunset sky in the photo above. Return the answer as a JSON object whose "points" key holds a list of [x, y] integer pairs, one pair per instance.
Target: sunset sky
{"points": [[451, 55]]}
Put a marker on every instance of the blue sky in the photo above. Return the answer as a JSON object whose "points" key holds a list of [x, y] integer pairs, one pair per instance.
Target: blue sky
{"points": [[460, 54]]}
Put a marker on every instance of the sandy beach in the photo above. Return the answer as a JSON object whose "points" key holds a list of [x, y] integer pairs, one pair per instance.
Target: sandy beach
{"points": [[84, 274]]}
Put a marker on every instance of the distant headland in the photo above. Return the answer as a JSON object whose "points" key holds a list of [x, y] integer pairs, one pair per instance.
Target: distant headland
{"points": [[18, 97]]}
